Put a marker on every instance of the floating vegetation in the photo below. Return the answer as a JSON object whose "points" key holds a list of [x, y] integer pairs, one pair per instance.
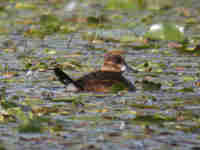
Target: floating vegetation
{"points": [[166, 31], [161, 39]]}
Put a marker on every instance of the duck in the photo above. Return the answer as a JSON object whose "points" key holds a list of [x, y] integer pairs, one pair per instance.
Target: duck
{"points": [[105, 80]]}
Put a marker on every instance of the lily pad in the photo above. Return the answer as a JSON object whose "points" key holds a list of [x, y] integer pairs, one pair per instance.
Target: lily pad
{"points": [[166, 31]]}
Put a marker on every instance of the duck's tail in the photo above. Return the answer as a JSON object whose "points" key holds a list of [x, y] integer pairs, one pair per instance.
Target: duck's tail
{"points": [[65, 79]]}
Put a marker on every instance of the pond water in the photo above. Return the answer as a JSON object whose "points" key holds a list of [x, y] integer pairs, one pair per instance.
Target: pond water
{"points": [[37, 112]]}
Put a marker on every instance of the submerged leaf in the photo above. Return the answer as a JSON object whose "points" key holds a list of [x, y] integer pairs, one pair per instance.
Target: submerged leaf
{"points": [[118, 87], [188, 89], [150, 85]]}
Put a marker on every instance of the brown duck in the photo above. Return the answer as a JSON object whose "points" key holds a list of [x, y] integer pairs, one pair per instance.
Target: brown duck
{"points": [[103, 80]]}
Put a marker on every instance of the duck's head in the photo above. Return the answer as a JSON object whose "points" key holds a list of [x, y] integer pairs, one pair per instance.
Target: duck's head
{"points": [[114, 62]]}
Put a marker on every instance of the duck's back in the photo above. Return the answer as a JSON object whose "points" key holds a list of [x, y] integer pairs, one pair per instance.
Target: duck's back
{"points": [[104, 81]]}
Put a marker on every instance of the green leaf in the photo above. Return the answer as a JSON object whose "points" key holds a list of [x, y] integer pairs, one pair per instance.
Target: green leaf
{"points": [[173, 32], [166, 31]]}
